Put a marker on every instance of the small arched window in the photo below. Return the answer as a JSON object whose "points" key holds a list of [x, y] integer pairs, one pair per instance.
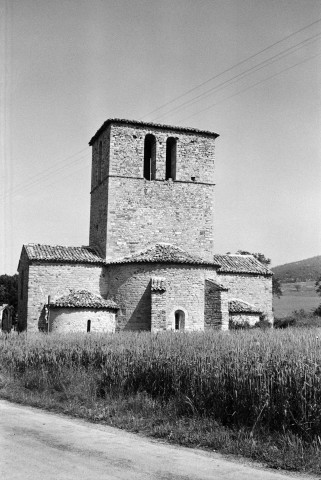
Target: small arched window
{"points": [[179, 320], [100, 163], [171, 158], [150, 157], [88, 325]]}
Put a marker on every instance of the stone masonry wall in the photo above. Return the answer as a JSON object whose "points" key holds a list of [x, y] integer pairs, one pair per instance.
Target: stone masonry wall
{"points": [[158, 311], [98, 217], [194, 153], [142, 213], [56, 280], [216, 307], [99, 194], [64, 320], [254, 289], [242, 318], [139, 212], [129, 285], [23, 283]]}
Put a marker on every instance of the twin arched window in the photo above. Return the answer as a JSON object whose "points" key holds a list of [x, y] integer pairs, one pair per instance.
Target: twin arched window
{"points": [[171, 158], [150, 158]]}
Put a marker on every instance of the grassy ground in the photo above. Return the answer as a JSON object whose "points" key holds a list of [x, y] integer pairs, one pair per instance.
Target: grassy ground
{"points": [[254, 394], [296, 296]]}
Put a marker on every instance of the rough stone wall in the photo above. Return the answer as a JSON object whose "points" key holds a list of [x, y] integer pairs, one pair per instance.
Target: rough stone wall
{"points": [[158, 311], [139, 212], [254, 289], [130, 286], [194, 153], [23, 283], [56, 280], [105, 140], [98, 217], [66, 320], [243, 318], [142, 213], [216, 307], [99, 193]]}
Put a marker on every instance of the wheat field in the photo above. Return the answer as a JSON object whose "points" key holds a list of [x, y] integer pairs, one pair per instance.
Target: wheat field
{"points": [[256, 379]]}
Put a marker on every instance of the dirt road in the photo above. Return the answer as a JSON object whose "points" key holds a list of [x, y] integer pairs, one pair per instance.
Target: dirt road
{"points": [[35, 444]]}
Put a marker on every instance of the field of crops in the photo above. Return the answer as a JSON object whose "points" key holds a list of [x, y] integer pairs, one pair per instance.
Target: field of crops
{"points": [[256, 379], [296, 296]]}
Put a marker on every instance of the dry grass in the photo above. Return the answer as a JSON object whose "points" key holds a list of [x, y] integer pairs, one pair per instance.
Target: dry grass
{"points": [[256, 393]]}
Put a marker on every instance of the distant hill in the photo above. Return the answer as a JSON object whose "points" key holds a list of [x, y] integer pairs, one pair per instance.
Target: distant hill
{"points": [[302, 271]]}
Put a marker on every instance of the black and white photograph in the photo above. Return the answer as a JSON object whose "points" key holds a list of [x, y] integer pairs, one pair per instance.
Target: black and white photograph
{"points": [[160, 239]]}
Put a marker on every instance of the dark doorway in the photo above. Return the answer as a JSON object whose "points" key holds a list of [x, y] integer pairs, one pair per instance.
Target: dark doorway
{"points": [[179, 320]]}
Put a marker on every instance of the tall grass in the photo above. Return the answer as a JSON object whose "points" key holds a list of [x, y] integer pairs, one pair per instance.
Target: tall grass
{"points": [[255, 379]]}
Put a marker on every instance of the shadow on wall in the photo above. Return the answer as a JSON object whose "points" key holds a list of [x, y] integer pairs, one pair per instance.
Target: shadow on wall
{"points": [[42, 322], [140, 319]]}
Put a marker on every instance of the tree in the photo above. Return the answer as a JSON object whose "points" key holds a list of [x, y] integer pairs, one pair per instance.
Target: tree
{"points": [[317, 311], [318, 286], [9, 290], [276, 287], [276, 284]]}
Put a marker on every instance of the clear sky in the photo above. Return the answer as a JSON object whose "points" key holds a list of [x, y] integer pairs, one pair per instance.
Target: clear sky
{"points": [[68, 65]]}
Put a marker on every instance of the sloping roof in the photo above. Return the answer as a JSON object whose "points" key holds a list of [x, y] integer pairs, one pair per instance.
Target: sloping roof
{"points": [[83, 299], [240, 264], [136, 123], [162, 253], [58, 253], [218, 285], [239, 306]]}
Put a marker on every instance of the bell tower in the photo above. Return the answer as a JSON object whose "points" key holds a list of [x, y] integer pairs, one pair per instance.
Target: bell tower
{"points": [[151, 183]]}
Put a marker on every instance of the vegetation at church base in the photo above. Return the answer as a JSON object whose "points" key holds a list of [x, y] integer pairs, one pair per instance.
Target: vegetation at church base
{"points": [[254, 393]]}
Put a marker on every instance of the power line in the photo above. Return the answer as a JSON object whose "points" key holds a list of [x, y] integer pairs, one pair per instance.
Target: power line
{"points": [[248, 88], [255, 68], [65, 176], [41, 177], [231, 68]]}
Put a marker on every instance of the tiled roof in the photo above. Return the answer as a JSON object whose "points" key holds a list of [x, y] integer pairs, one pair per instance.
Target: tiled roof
{"points": [[83, 299], [162, 253], [240, 264], [239, 306], [147, 125], [218, 285], [58, 253]]}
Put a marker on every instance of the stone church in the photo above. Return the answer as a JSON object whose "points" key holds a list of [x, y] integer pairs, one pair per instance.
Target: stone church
{"points": [[150, 263]]}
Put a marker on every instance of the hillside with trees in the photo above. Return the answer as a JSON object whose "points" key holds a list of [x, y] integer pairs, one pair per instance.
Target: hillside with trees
{"points": [[302, 271]]}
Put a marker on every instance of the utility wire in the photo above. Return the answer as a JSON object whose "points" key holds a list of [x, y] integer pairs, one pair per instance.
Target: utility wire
{"points": [[231, 68], [41, 177], [53, 182], [248, 88], [255, 68]]}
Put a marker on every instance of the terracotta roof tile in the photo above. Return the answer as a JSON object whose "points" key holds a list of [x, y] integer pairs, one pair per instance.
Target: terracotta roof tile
{"points": [[239, 306], [83, 299], [218, 285], [136, 123], [58, 253], [162, 253], [241, 264]]}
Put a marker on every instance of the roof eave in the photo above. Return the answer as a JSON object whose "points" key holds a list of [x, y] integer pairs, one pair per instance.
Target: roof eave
{"points": [[151, 125]]}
